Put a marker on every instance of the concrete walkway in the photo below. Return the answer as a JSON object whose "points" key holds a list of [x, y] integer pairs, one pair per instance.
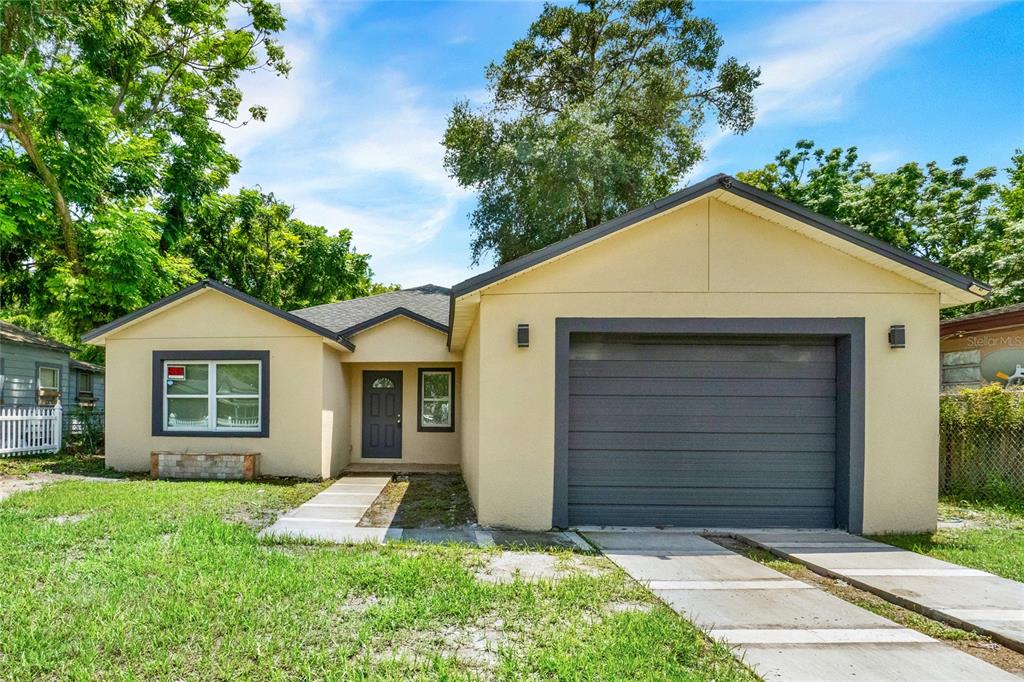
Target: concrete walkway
{"points": [[784, 628], [964, 597], [332, 516]]}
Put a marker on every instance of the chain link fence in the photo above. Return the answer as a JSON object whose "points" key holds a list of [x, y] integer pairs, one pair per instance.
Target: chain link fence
{"points": [[83, 431], [981, 445]]}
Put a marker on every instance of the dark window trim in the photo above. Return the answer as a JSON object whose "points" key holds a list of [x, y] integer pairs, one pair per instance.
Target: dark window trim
{"points": [[157, 397], [419, 400], [849, 335], [79, 373]]}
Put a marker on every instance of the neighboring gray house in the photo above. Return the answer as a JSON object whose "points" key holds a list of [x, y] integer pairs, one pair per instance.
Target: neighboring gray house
{"points": [[35, 370]]}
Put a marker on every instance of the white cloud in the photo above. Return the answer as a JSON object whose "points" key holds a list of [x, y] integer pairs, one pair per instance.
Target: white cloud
{"points": [[351, 147], [813, 60]]}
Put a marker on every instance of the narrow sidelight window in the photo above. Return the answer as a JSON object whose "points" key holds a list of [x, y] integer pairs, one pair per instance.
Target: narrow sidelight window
{"points": [[437, 399]]}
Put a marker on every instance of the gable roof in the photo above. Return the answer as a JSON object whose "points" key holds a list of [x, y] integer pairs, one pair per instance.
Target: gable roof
{"points": [[720, 185], [15, 334], [99, 332], [727, 183], [994, 318], [427, 304]]}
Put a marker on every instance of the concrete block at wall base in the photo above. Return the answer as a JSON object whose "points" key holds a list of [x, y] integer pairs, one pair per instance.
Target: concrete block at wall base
{"points": [[220, 466]]}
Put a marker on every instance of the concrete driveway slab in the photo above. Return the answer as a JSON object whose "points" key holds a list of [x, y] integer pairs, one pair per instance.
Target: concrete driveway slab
{"points": [[899, 662], [964, 597], [784, 628]]}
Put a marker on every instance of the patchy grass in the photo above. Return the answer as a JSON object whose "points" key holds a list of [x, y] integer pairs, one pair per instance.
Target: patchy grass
{"points": [[422, 501], [156, 579], [991, 541], [81, 465], [969, 642]]}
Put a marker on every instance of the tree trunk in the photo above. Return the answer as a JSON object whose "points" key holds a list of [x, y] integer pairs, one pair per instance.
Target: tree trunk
{"points": [[21, 133]]}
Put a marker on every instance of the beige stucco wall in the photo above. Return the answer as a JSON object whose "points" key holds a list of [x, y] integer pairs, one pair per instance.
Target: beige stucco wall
{"points": [[401, 340], [418, 447], [705, 260], [470, 428], [213, 321], [335, 423]]}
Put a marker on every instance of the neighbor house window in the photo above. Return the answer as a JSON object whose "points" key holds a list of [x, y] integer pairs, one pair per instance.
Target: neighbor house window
{"points": [[85, 385], [211, 393], [437, 400], [48, 385]]}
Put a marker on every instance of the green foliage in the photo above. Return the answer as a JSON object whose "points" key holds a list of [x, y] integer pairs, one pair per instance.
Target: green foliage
{"points": [[111, 150], [595, 112], [250, 241], [988, 408], [969, 223]]}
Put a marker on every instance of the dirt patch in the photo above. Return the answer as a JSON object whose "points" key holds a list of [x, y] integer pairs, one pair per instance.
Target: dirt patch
{"points": [[71, 518], [421, 501], [475, 646], [533, 566], [37, 479], [972, 643]]}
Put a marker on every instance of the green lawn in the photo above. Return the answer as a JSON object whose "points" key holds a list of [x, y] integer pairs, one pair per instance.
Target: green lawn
{"points": [[143, 579], [994, 543]]}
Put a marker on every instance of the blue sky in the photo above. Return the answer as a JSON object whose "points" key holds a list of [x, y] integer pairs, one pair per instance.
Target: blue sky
{"points": [[353, 134]]}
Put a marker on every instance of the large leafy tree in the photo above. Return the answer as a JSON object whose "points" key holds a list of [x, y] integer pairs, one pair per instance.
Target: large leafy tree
{"points": [[251, 241], [965, 221], [110, 115], [595, 112]]}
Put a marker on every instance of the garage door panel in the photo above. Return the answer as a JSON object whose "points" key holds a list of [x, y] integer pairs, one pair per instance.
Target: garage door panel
{"points": [[702, 387], [702, 431], [725, 442], [701, 469], [738, 406], [704, 497], [702, 517], [628, 423], [700, 349], [701, 370]]}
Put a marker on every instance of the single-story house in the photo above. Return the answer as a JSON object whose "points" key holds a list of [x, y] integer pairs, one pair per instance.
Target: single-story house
{"points": [[983, 347], [37, 371], [721, 357]]}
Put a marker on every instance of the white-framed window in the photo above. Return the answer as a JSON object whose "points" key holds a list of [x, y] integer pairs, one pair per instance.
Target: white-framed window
{"points": [[437, 399], [49, 378], [213, 395]]}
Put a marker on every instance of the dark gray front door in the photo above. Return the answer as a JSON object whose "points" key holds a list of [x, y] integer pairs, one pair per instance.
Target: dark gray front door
{"points": [[702, 431], [382, 414]]}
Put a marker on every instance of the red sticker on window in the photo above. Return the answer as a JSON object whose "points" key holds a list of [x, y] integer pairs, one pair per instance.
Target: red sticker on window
{"points": [[175, 371]]}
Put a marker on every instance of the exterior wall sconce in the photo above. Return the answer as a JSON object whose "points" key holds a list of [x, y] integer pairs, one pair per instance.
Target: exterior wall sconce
{"points": [[523, 335], [897, 336]]}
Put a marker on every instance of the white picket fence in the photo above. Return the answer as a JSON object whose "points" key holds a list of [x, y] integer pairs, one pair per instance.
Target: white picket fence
{"points": [[25, 430]]}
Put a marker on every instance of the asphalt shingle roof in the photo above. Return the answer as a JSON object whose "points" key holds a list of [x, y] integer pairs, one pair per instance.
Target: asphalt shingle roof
{"points": [[15, 334], [429, 301]]}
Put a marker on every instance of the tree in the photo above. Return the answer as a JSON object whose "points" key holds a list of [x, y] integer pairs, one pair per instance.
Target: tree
{"points": [[108, 140], [595, 112], [251, 241], [967, 222]]}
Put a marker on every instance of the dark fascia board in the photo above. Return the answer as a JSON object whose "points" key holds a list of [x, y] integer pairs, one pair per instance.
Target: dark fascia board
{"points": [[396, 312], [224, 289], [714, 183]]}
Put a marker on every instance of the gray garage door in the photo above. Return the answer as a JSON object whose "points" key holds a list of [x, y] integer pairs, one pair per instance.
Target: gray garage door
{"points": [[702, 431]]}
